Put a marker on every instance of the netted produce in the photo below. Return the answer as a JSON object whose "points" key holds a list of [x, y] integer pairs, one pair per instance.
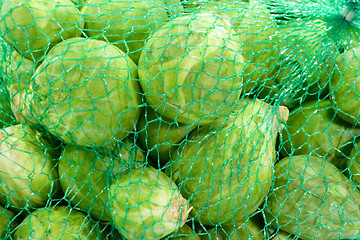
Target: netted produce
{"points": [[179, 119]]}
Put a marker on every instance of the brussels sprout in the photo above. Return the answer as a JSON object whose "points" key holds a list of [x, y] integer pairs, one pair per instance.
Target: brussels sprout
{"points": [[128, 23], [353, 164], [345, 85], [86, 93], [7, 117], [257, 30], [85, 176], [226, 173], [191, 69], [160, 136], [57, 222], [7, 222], [28, 171], [146, 204], [183, 233], [314, 129], [305, 64], [313, 199], [34, 26], [20, 72], [227, 8], [250, 229]]}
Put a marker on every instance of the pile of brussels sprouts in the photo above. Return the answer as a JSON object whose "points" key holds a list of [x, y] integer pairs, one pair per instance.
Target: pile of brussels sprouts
{"points": [[209, 119]]}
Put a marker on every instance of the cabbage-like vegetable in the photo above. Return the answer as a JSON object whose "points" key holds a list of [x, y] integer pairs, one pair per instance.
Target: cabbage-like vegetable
{"points": [[34, 26], [86, 174], [185, 232], [127, 23], [191, 69], [146, 204], [353, 164], [86, 93], [19, 73], [250, 229], [312, 199], [28, 168], [7, 222], [57, 222], [7, 116], [314, 129], [345, 85], [226, 172], [160, 136]]}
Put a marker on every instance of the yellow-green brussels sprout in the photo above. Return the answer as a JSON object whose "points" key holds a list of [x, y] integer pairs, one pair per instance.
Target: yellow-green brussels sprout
{"points": [[28, 168], [127, 23], [34, 26], [86, 92], [86, 174], [191, 69], [146, 204], [58, 222]]}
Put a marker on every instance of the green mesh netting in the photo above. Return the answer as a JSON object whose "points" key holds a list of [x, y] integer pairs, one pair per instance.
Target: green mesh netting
{"points": [[179, 119]]}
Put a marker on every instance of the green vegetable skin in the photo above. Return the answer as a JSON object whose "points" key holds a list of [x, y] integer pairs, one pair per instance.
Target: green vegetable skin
{"points": [[85, 176], [34, 26], [345, 85], [304, 67], [314, 129], [57, 222], [226, 173], [128, 23], [190, 69], [146, 204], [183, 233], [7, 117], [160, 136], [7, 222], [19, 73], [313, 199], [257, 31], [28, 172], [353, 164], [250, 229], [86, 93]]}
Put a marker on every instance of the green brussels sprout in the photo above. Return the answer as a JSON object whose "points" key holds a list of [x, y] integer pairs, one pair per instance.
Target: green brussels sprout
{"points": [[146, 204], [282, 235], [5, 54], [185, 232], [28, 168], [85, 175], [353, 164], [7, 116], [57, 222], [34, 26], [127, 23], [312, 199], [7, 222], [191, 69], [226, 173], [232, 10], [257, 31], [345, 86], [86, 93], [314, 129], [250, 229], [160, 136], [19, 72]]}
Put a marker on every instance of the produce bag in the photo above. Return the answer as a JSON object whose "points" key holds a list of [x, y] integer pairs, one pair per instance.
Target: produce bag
{"points": [[179, 119]]}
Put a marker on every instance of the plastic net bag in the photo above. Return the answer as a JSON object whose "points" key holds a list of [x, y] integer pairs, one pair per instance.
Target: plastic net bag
{"points": [[200, 119]]}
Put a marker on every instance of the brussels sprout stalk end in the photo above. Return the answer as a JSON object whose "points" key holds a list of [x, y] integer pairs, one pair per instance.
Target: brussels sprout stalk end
{"points": [[174, 213]]}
